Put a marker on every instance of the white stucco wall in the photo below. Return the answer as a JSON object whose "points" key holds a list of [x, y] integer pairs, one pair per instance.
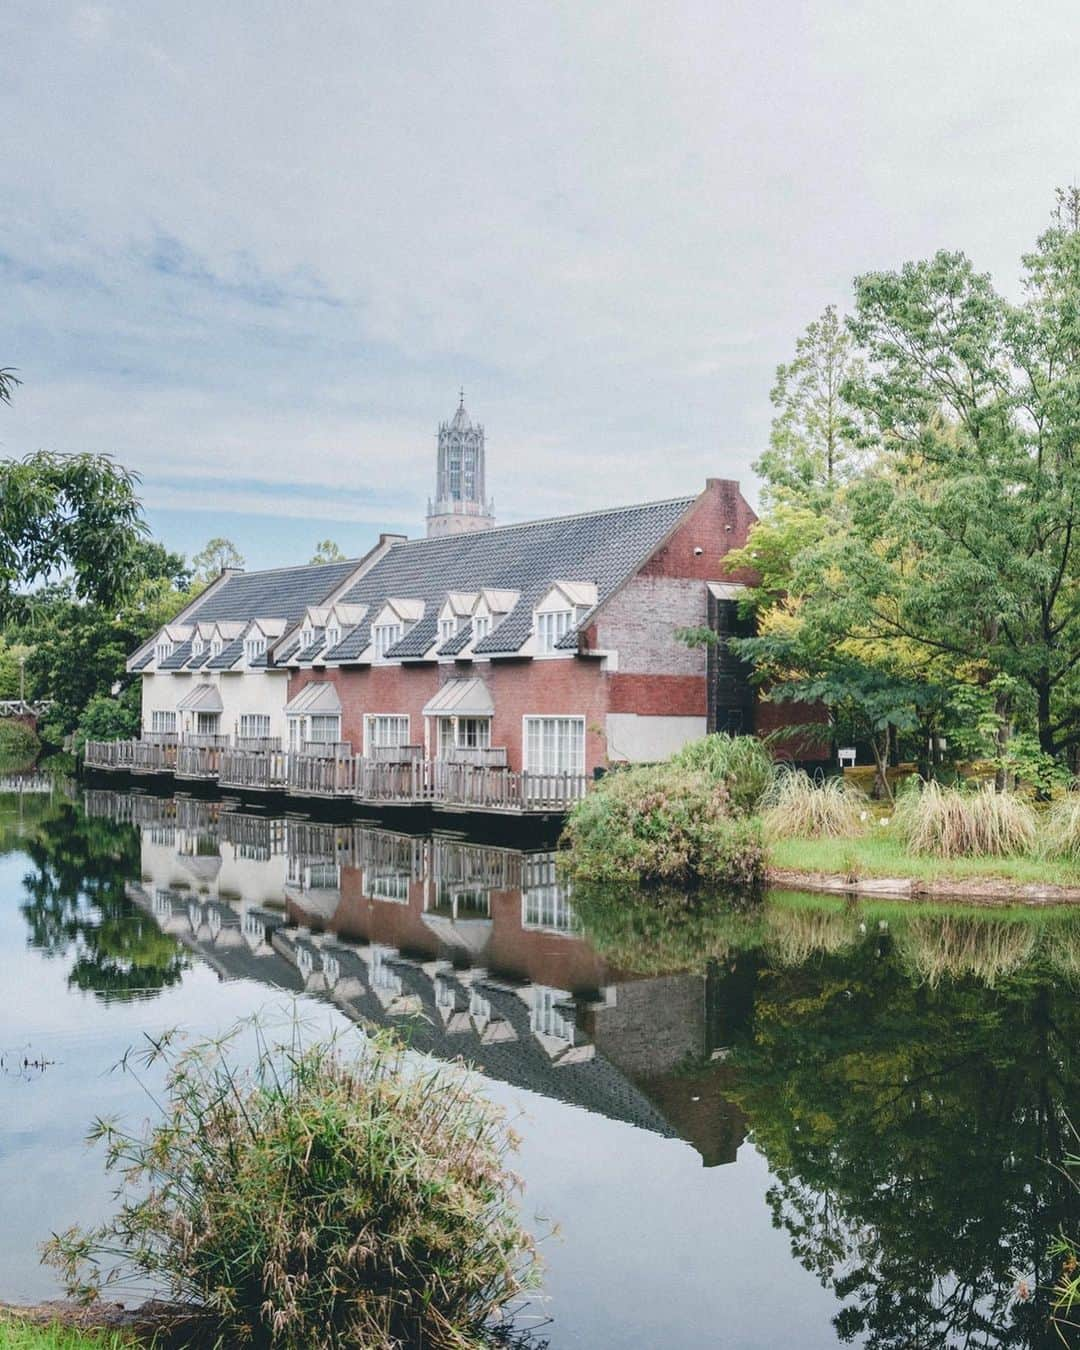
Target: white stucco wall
{"points": [[247, 691], [634, 738]]}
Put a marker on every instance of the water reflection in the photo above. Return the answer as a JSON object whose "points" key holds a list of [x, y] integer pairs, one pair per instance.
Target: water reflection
{"points": [[906, 1074]]}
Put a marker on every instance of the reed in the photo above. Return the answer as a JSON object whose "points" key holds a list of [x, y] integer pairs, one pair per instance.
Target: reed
{"points": [[312, 1199], [794, 934], [943, 822], [1059, 829], [797, 807], [948, 946]]}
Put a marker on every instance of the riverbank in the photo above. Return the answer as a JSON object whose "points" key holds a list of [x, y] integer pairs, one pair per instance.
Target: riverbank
{"points": [[878, 864], [66, 1325]]}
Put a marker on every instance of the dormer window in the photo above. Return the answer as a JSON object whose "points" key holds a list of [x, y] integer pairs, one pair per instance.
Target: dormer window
{"points": [[384, 636], [551, 627], [215, 646], [198, 646], [163, 650], [254, 647], [307, 637], [481, 627], [333, 637]]}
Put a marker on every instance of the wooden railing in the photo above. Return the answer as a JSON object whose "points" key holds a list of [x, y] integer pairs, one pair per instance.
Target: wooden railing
{"points": [[395, 754], [206, 740], [258, 742], [486, 756], [480, 787]]}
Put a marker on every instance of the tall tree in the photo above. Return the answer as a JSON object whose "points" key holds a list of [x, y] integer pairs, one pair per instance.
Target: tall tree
{"points": [[73, 515], [326, 551], [813, 443], [8, 382], [215, 558]]}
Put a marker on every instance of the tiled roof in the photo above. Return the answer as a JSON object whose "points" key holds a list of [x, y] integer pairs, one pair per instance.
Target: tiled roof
{"points": [[228, 656], [143, 660], [314, 648], [601, 546], [280, 593], [200, 660], [179, 655], [458, 643]]}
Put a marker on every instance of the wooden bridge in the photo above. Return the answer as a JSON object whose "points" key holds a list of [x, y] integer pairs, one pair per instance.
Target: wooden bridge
{"points": [[342, 776]]}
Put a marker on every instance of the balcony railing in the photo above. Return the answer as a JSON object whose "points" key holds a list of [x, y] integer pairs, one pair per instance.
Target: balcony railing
{"points": [[395, 754], [335, 772], [326, 749], [207, 740], [258, 742], [485, 756]]}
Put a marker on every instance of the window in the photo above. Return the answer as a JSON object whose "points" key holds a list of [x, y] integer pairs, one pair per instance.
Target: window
{"points": [[550, 628], [254, 647], [255, 724], [207, 723], [325, 729], [333, 637], [447, 629], [163, 650], [384, 636], [481, 627], [215, 646], [471, 732], [549, 1013], [163, 722], [382, 729], [307, 637], [198, 646], [555, 744]]}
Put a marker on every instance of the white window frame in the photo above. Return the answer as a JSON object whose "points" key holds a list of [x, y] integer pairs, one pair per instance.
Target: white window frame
{"points": [[255, 725], [552, 625], [384, 636], [447, 629], [327, 718], [208, 724], [254, 647], [163, 651], [371, 721], [448, 733], [333, 637], [481, 627], [215, 646], [163, 721], [307, 637], [526, 748], [198, 646]]}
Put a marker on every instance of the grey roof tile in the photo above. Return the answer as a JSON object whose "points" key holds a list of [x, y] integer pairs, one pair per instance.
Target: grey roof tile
{"points": [[600, 546], [419, 640], [143, 660], [313, 648], [228, 656], [458, 643], [200, 660], [280, 593], [179, 657]]}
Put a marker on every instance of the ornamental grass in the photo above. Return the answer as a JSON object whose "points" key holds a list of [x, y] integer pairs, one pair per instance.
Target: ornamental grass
{"points": [[1059, 829], [948, 822], [796, 934], [797, 807], [312, 1199], [936, 947], [741, 763]]}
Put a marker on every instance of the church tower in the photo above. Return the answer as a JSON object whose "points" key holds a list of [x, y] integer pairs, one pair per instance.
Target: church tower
{"points": [[459, 505]]}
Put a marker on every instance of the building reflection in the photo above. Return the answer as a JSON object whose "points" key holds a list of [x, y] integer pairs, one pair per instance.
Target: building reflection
{"points": [[469, 950]]}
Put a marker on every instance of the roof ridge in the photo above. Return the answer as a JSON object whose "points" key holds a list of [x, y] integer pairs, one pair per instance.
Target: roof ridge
{"points": [[548, 520], [296, 567]]}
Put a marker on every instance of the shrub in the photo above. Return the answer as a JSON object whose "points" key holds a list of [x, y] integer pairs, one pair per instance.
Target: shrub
{"points": [[943, 822], [799, 808], [662, 824], [741, 763], [1060, 829], [312, 1200], [109, 719], [19, 745]]}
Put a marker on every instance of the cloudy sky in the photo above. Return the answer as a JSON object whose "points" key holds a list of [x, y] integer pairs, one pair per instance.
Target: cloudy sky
{"points": [[253, 249]]}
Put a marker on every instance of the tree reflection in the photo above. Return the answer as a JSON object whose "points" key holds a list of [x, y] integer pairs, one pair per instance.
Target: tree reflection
{"points": [[76, 907], [911, 1127]]}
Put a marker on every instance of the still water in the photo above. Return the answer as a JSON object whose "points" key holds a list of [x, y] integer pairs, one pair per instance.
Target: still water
{"points": [[813, 1125]]}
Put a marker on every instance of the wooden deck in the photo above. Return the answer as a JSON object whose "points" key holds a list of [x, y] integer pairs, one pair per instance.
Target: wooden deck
{"points": [[461, 787]]}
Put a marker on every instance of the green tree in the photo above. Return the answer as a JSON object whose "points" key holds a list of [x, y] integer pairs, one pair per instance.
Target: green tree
{"points": [[7, 383], [218, 554], [326, 551], [65, 515], [813, 444]]}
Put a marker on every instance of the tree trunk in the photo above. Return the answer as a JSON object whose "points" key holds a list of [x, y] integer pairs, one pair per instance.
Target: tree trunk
{"points": [[882, 791], [1001, 707], [1042, 694]]}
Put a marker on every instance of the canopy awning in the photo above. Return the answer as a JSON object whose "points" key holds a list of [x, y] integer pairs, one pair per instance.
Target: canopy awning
{"points": [[203, 698], [727, 590], [320, 697], [461, 698]]}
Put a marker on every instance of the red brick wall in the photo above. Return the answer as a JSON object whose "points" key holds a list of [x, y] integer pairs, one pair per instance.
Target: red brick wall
{"points": [[573, 686]]}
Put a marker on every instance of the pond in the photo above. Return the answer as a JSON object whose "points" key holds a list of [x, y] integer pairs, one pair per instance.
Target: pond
{"points": [[812, 1125]]}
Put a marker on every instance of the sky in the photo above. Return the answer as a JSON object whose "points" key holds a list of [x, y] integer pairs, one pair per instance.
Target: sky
{"points": [[253, 251]]}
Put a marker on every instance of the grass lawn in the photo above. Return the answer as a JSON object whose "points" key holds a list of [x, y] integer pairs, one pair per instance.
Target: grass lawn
{"points": [[881, 854], [15, 1335]]}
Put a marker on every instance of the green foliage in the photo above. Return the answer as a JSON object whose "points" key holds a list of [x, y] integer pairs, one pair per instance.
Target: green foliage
{"points": [[214, 558], [19, 745], [813, 444], [19, 1335], [946, 822], [74, 515], [13, 656], [108, 719], [741, 763], [8, 383], [326, 551], [313, 1199], [662, 824], [797, 807]]}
